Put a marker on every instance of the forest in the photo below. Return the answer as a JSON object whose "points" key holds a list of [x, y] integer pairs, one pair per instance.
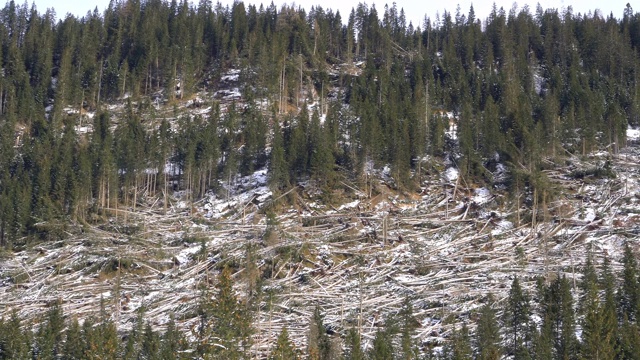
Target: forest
{"points": [[522, 86], [104, 114]]}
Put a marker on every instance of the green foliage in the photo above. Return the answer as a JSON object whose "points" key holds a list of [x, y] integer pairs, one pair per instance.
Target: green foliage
{"points": [[597, 172], [319, 343], [629, 292], [488, 339], [459, 346], [382, 348], [353, 347], [225, 323], [284, 349], [517, 319], [515, 90]]}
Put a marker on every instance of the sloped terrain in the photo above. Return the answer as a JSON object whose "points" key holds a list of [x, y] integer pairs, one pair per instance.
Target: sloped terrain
{"points": [[445, 247]]}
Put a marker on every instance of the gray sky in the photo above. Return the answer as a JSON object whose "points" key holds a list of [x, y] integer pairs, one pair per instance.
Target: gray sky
{"points": [[414, 9]]}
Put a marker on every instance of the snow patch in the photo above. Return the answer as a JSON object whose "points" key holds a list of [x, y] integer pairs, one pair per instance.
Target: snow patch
{"points": [[633, 134], [451, 174], [588, 215], [481, 196], [501, 227]]}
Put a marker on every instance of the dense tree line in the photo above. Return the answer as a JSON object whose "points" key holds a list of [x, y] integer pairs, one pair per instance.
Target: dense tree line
{"points": [[591, 316], [522, 85]]}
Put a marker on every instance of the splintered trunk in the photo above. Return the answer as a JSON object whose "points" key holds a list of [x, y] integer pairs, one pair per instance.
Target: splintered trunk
{"points": [[300, 87], [534, 210], [146, 80], [125, 201], [282, 86], [203, 184], [99, 84], [426, 113], [135, 194], [124, 83], [164, 192]]}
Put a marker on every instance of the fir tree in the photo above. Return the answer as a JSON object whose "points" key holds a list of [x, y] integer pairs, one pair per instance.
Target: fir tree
{"points": [[407, 327], [283, 349], [319, 343], [459, 345], [487, 339], [383, 348], [227, 333], [517, 318], [353, 347], [73, 343], [14, 343], [629, 292]]}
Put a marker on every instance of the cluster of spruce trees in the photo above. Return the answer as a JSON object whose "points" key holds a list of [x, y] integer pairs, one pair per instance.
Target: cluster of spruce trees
{"points": [[595, 317], [522, 85]]}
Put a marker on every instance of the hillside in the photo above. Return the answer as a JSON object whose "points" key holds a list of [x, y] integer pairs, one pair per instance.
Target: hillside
{"points": [[160, 157], [445, 247]]}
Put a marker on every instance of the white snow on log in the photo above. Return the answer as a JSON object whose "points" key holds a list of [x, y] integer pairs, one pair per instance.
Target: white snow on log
{"points": [[633, 134], [451, 174], [350, 205]]}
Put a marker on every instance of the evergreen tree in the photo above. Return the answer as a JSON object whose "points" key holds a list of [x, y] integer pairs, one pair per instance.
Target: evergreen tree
{"points": [[609, 327], [227, 330], [49, 337], [150, 347], [408, 325], [14, 343], [596, 334], [73, 343], [628, 340], [517, 317], [629, 292], [283, 349], [459, 345], [383, 348], [319, 343], [487, 339], [353, 347], [278, 172], [321, 158], [173, 344]]}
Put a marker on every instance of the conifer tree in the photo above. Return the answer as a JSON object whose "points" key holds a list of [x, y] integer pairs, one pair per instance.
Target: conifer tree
{"points": [[487, 339], [628, 339], [353, 347], [14, 343], [49, 337], [73, 343], [459, 346], [629, 292], [596, 335], [319, 343], [283, 349], [228, 330], [407, 327], [609, 324], [173, 343], [278, 171], [150, 347], [382, 347], [517, 318], [321, 158]]}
